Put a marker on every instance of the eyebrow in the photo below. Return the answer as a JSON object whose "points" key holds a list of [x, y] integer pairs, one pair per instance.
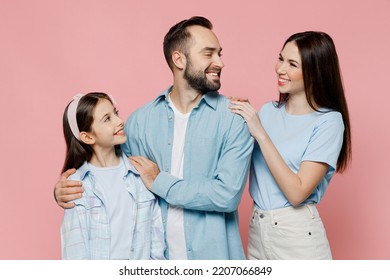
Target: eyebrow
{"points": [[211, 49], [289, 60], [105, 115]]}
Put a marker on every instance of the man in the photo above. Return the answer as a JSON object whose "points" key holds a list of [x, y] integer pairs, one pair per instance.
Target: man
{"points": [[202, 150]]}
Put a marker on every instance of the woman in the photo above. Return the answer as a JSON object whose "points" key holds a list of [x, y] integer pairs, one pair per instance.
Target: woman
{"points": [[301, 141]]}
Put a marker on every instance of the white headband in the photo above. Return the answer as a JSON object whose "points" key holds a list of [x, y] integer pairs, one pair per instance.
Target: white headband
{"points": [[72, 111], [71, 114]]}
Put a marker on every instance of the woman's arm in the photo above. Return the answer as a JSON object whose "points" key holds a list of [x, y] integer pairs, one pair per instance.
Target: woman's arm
{"points": [[296, 187]]}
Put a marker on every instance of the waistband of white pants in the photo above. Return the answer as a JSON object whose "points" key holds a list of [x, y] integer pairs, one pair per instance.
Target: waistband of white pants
{"points": [[290, 210]]}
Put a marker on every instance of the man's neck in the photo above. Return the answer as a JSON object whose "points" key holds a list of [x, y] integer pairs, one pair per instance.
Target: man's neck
{"points": [[184, 99]]}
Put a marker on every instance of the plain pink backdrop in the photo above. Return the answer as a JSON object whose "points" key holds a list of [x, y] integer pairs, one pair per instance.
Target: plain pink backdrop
{"points": [[51, 50]]}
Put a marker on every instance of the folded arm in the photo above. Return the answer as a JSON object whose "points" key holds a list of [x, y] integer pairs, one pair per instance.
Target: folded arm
{"points": [[220, 192]]}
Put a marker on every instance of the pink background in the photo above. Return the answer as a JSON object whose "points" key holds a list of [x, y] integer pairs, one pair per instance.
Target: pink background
{"points": [[51, 50]]}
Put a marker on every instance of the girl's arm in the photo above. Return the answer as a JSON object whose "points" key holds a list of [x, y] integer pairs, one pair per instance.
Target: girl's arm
{"points": [[296, 187]]}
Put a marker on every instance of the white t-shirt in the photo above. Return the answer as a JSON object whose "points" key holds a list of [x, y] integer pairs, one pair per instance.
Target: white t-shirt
{"points": [[175, 221]]}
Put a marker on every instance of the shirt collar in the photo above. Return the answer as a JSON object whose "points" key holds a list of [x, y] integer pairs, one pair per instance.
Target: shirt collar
{"points": [[84, 169], [129, 166], [210, 98]]}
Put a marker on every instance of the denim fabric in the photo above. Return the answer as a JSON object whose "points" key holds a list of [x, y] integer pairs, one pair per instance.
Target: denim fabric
{"points": [[85, 230], [217, 152]]}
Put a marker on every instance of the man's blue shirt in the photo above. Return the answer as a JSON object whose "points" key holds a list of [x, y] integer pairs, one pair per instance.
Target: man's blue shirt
{"points": [[217, 151]]}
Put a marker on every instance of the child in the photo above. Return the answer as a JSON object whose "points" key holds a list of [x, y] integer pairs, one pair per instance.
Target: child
{"points": [[116, 217]]}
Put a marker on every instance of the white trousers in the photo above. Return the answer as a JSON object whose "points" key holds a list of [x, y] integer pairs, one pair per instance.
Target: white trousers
{"points": [[291, 233]]}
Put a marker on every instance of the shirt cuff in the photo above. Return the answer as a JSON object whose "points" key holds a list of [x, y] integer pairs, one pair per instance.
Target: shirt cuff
{"points": [[163, 184]]}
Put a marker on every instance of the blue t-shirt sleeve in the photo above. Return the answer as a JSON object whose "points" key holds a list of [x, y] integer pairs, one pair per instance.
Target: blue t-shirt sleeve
{"points": [[326, 141]]}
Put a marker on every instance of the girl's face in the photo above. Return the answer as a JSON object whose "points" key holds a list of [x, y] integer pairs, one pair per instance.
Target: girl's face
{"points": [[289, 70], [107, 127]]}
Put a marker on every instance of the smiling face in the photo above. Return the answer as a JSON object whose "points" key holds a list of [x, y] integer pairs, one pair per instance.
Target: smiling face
{"points": [[203, 61], [107, 127], [289, 70]]}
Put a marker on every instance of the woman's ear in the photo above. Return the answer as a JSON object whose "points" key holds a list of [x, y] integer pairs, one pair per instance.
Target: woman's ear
{"points": [[87, 138], [179, 59]]}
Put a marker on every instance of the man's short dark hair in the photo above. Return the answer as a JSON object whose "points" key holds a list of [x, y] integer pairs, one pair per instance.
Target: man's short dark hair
{"points": [[178, 36]]}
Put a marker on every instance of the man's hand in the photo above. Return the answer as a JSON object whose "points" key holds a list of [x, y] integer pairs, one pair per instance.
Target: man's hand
{"points": [[65, 191], [147, 169]]}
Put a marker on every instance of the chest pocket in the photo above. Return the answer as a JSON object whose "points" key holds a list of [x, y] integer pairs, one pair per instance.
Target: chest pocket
{"points": [[141, 195], [93, 212], [206, 150], [145, 202], [143, 226]]}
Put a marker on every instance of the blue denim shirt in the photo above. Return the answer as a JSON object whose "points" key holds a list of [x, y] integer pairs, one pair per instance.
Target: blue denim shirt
{"points": [[85, 229], [217, 152]]}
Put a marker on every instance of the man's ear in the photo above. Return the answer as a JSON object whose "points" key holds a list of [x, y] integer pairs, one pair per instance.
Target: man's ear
{"points": [[87, 138], [179, 60]]}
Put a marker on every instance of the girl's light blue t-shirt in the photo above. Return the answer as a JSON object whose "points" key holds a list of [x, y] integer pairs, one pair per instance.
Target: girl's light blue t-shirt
{"points": [[317, 136], [119, 206]]}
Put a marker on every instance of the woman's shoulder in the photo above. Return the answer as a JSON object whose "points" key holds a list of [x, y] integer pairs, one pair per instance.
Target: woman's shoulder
{"points": [[269, 107], [329, 115], [329, 120]]}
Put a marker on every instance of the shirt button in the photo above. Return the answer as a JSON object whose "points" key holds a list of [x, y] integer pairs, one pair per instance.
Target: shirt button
{"points": [[169, 143]]}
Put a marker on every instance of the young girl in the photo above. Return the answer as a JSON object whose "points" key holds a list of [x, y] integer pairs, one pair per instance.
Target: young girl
{"points": [[301, 141], [117, 217]]}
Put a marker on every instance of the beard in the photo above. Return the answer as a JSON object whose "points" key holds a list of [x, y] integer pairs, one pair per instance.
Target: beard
{"points": [[198, 80]]}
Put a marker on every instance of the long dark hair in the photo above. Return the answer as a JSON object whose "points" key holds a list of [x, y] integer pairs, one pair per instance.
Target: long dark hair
{"points": [[323, 82], [78, 152]]}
